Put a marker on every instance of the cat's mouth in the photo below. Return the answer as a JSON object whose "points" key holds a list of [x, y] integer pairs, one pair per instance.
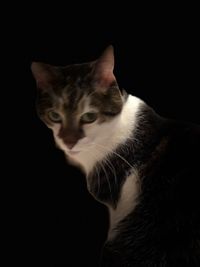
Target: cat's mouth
{"points": [[73, 153]]}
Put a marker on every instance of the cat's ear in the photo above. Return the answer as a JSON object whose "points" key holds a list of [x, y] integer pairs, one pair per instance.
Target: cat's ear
{"points": [[104, 67], [44, 74]]}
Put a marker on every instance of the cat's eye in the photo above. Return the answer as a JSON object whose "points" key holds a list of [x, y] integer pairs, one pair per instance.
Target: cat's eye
{"points": [[89, 117], [54, 116]]}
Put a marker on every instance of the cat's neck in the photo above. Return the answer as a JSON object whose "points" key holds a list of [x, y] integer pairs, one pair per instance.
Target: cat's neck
{"points": [[116, 132]]}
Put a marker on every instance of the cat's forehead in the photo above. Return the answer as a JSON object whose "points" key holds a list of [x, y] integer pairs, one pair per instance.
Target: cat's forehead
{"points": [[76, 81], [78, 72], [71, 87], [73, 96]]}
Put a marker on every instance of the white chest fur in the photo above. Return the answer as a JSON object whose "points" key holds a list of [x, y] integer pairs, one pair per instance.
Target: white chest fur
{"points": [[126, 203]]}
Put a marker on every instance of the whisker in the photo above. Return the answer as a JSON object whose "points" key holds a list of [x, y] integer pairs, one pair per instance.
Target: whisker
{"points": [[107, 178], [109, 164], [118, 155], [98, 179], [111, 167]]}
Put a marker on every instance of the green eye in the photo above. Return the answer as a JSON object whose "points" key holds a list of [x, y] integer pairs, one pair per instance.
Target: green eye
{"points": [[89, 117], [54, 116]]}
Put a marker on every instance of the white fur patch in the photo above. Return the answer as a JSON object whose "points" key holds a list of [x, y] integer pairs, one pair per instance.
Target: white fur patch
{"points": [[126, 203]]}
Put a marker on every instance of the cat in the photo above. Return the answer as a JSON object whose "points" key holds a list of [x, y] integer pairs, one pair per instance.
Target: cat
{"points": [[143, 167]]}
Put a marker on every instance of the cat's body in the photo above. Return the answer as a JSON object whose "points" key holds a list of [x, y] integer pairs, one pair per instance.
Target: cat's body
{"points": [[143, 167], [163, 228]]}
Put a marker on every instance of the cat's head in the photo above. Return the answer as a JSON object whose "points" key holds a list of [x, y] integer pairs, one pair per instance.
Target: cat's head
{"points": [[78, 101]]}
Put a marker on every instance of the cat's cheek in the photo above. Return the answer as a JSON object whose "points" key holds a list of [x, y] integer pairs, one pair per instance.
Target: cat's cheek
{"points": [[91, 129]]}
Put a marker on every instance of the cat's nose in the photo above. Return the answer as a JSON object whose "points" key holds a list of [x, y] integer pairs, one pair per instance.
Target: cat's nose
{"points": [[70, 145], [70, 136]]}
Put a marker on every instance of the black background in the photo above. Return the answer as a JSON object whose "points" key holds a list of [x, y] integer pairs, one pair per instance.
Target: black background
{"points": [[157, 59]]}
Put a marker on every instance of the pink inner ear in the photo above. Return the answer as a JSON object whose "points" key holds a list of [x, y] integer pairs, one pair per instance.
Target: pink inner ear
{"points": [[104, 67], [41, 74], [42, 80], [106, 78]]}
